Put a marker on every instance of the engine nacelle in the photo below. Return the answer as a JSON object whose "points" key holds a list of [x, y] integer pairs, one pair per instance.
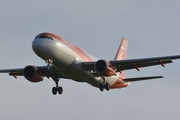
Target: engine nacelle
{"points": [[104, 68], [33, 74]]}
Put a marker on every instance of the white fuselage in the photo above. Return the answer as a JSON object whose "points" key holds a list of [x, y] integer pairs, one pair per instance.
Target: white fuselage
{"points": [[67, 60]]}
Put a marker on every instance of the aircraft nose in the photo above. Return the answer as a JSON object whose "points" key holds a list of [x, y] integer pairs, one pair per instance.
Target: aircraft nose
{"points": [[36, 44], [39, 46]]}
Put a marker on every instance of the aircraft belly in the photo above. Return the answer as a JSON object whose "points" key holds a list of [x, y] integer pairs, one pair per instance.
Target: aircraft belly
{"points": [[75, 72]]}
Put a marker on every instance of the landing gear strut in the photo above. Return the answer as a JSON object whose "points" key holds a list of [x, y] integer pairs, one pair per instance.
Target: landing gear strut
{"points": [[49, 63], [55, 77], [104, 85]]}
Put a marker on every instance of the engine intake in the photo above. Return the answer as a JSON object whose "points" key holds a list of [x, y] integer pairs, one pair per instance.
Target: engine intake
{"points": [[33, 74], [104, 68]]}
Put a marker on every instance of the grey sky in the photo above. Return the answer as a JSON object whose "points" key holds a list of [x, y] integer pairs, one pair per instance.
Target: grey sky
{"points": [[97, 26]]}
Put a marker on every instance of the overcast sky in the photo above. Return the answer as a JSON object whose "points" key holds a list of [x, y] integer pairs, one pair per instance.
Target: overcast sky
{"points": [[97, 26]]}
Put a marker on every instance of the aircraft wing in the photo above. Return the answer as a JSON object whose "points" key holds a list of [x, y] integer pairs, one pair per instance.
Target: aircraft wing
{"points": [[121, 65], [20, 71]]}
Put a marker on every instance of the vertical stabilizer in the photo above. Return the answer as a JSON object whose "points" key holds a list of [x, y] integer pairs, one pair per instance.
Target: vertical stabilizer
{"points": [[122, 51]]}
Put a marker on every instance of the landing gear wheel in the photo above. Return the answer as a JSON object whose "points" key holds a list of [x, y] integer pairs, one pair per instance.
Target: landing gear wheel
{"points": [[60, 90], [104, 85], [107, 86], [54, 90], [101, 87]]}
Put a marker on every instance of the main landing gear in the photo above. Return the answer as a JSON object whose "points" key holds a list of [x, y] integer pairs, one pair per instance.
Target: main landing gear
{"points": [[104, 85], [55, 77]]}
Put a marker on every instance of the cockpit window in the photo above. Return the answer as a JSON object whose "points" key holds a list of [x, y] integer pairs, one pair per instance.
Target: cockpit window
{"points": [[42, 36], [36, 37], [49, 37]]}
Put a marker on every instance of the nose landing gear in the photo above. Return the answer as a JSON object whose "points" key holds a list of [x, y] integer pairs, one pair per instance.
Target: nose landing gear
{"points": [[58, 88], [55, 77]]}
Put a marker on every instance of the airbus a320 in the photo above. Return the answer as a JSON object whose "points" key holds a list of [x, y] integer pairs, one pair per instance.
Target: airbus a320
{"points": [[67, 61]]}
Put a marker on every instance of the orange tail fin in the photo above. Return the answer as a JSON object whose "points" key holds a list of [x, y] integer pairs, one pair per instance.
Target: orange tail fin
{"points": [[122, 51]]}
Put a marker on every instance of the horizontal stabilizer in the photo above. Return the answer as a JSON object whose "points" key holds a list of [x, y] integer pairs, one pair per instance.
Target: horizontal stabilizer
{"points": [[141, 78]]}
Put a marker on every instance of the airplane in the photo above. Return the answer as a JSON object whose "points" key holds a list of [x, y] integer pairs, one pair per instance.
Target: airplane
{"points": [[67, 61]]}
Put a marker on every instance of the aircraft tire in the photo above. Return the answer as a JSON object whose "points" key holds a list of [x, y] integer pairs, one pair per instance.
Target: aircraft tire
{"points": [[101, 87], [54, 90], [60, 90], [107, 86]]}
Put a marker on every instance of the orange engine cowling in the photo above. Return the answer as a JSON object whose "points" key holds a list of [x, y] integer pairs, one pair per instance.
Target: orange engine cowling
{"points": [[33, 74], [104, 68]]}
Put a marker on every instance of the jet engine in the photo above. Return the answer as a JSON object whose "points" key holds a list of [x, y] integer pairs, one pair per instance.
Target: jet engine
{"points": [[104, 68], [33, 74]]}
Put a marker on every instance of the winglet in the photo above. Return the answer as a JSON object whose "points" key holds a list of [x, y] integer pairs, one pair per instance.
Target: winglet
{"points": [[122, 51]]}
